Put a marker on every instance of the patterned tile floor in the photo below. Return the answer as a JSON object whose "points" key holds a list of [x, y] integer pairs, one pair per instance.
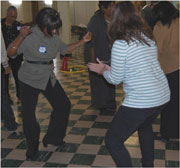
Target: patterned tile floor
{"points": [[85, 133]]}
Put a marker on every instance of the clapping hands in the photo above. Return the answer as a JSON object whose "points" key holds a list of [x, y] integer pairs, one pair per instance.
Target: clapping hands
{"points": [[98, 68]]}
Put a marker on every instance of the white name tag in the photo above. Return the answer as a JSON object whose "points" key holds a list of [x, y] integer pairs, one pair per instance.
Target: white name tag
{"points": [[42, 49], [18, 28]]}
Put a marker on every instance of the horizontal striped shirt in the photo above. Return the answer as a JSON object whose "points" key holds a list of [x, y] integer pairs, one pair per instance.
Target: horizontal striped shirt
{"points": [[137, 66]]}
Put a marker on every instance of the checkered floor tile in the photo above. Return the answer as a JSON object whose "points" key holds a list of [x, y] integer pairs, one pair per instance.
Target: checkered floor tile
{"points": [[85, 133]]}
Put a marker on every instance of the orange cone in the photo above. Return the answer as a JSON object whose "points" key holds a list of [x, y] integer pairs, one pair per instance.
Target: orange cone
{"points": [[64, 66]]}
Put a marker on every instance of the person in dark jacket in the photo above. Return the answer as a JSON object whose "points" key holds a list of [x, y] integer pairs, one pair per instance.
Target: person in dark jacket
{"points": [[10, 30], [102, 93]]}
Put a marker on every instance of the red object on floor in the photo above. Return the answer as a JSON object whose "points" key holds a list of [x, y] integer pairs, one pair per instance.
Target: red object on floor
{"points": [[64, 66]]}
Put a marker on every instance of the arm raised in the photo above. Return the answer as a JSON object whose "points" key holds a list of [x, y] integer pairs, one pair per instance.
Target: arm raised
{"points": [[13, 47], [85, 39]]}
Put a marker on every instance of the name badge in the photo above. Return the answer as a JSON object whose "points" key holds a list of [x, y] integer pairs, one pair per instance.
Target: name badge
{"points": [[42, 49], [18, 28]]}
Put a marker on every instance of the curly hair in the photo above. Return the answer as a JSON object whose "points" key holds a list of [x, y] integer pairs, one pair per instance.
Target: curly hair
{"points": [[127, 25]]}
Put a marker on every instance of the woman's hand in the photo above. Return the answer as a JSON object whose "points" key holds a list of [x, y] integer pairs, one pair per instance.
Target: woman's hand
{"points": [[87, 37], [13, 47], [98, 68], [25, 30]]}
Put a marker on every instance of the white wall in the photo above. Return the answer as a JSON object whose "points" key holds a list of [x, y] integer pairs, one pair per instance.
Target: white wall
{"points": [[72, 12], [27, 12], [63, 8], [81, 11]]}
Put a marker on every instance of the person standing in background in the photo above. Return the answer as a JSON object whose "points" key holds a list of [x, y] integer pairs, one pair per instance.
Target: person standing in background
{"points": [[145, 11], [7, 114], [134, 61], [102, 93], [166, 33], [10, 30]]}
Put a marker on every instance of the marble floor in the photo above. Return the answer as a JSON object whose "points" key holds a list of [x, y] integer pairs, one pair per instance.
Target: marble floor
{"points": [[85, 132]]}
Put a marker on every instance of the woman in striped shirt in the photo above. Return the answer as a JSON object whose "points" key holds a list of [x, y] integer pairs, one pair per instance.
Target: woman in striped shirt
{"points": [[134, 62]]}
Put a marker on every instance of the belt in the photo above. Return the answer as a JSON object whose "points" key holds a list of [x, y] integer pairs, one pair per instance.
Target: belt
{"points": [[41, 62]]}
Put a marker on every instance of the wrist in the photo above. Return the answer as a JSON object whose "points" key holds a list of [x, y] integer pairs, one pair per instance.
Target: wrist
{"points": [[81, 41], [5, 64], [103, 71], [21, 36]]}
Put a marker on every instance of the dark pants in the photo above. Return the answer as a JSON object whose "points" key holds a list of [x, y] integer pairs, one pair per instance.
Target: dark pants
{"points": [[125, 122], [6, 111], [59, 116], [102, 93], [169, 127], [15, 65]]}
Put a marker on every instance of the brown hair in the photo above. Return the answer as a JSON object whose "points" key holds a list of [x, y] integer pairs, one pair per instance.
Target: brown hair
{"points": [[127, 25]]}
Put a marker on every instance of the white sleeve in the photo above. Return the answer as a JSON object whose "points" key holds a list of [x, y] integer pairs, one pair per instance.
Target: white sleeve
{"points": [[118, 59], [3, 53]]}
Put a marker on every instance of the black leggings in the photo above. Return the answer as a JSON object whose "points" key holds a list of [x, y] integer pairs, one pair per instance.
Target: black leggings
{"points": [[126, 121]]}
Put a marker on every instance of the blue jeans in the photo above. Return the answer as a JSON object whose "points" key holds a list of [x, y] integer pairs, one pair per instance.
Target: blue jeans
{"points": [[125, 122]]}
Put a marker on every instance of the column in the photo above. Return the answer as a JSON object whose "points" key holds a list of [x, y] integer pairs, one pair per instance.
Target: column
{"points": [[63, 8]]}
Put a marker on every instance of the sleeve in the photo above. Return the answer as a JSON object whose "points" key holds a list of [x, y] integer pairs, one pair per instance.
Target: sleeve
{"points": [[62, 47], [3, 53], [93, 28], [118, 59]]}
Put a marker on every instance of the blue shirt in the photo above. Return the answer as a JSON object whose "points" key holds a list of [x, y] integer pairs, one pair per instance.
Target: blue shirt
{"points": [[137, 66]]}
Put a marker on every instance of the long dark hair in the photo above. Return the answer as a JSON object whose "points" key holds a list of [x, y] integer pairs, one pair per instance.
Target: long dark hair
{"points": [[165, 12], [48, 18], [127, 25]]}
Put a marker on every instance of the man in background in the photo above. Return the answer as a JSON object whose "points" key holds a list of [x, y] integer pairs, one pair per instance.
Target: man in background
{"points": [[10, 30]]}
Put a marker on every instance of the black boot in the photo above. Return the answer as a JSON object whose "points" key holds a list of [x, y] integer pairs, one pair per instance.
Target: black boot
{"points": [[32, 153], [45, 142]]}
